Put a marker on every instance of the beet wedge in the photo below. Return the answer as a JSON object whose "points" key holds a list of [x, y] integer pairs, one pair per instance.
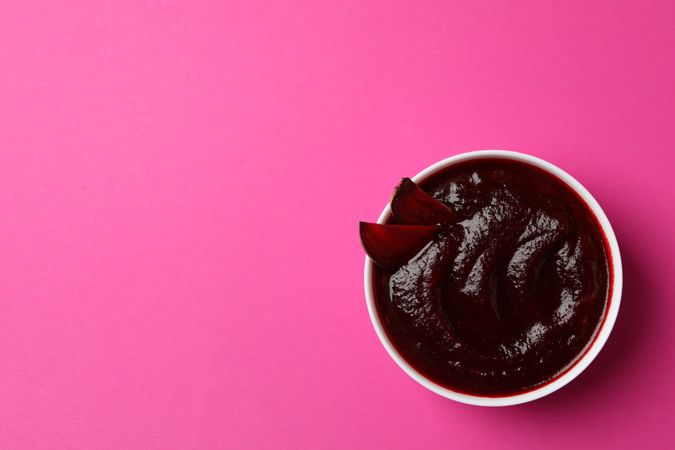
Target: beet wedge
{"points": [[392, 246], [412, 206]]}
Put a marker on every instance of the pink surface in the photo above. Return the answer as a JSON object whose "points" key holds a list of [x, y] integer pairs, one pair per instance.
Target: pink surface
{"points": [[180, 188]]}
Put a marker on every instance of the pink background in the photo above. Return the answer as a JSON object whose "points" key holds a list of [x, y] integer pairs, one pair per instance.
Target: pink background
{"points": [[180, 185]]}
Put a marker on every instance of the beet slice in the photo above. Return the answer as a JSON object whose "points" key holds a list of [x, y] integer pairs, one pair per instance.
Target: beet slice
{"points": [[412, 206], [392, 246]]}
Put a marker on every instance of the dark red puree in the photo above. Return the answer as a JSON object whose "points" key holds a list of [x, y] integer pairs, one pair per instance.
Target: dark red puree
{"points": [[509, 290]]}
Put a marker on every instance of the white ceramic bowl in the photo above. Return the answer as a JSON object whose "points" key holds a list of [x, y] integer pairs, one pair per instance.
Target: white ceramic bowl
{"points": [[602, 334]]}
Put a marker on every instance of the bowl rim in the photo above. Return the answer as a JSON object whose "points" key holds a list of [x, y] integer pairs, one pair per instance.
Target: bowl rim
{"points": [[605, 328]]}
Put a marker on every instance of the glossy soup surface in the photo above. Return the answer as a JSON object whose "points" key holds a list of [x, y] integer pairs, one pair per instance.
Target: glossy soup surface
{"points": [[511, 295]]}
